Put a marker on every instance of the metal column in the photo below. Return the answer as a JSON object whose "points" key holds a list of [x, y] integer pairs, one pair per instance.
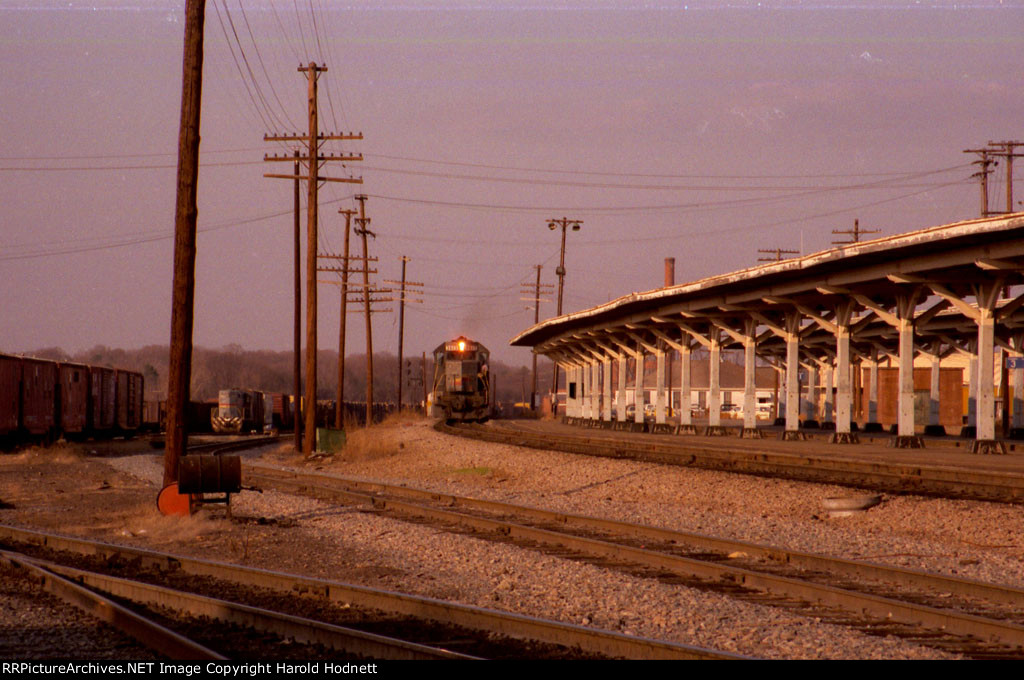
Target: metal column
{"points": [[749, 383], [905, 400], [714, 381], [659, 397], [620, 398], [638, 390], [606, 391], [792, 376]]}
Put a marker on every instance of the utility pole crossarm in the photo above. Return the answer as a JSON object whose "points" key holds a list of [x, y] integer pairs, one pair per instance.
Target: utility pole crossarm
{"points": [[346, 180], [305, 159], [305, 138]]}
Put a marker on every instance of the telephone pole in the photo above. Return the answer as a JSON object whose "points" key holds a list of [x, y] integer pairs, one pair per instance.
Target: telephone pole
{"points": [[982, 175], [536, 300], [778, 252], [401, 321], [1006, 150], [362, 231], [553, 224], [313, 139], [855, 233], [339, 416], [297, 314], [185, 215]]}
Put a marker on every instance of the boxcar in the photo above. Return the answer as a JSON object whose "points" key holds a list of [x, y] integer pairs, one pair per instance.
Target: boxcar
{"points": [[102, 399], [10, 394], [73, 398], [128, 400], [38, 397]]}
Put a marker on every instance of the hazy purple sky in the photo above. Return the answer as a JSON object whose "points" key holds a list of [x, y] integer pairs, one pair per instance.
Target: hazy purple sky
{"points": [[703, 134]]}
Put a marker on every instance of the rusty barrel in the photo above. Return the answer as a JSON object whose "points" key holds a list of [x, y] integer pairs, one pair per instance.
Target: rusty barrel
{"points": [[206, 473]]}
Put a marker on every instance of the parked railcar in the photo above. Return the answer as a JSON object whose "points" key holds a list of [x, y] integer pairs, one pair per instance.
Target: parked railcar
{"points": [[10, 395], [39, 397], [284, 411], [102, 400], [41, 400], [128, 401], [73, 399], [462, 384]]}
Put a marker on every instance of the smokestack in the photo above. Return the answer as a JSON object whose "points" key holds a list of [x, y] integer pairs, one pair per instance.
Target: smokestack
{"points": [[670, 271]]}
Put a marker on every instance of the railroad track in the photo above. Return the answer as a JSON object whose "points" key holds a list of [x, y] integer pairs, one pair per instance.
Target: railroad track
{"points": [[158, 579], [931, 480], [976, 619], [101, 595]]}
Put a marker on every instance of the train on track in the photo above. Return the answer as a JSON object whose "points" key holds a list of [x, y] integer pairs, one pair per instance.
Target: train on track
{"points": [[245, 411], [43, 400], [462, 385]]}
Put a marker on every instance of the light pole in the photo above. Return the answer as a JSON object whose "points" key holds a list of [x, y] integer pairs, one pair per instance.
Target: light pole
{"points": [[560, 271]]}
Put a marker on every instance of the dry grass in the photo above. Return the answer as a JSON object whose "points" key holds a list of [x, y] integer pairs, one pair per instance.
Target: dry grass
{"points": [[381, 440], [284, 453], [60, 453], [145, 521]]}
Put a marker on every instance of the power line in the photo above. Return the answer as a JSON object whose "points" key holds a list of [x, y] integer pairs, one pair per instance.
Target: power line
{"points": [[883, 184], [671, 207], [646, 175]]}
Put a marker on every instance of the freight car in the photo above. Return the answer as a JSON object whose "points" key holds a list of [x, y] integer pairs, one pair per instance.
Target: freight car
{"points": [[243, 411], [462, 385], [197, 416], [42, 400]]}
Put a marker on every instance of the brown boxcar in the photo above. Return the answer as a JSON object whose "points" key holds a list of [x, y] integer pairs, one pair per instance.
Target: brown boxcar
{"points": [[73, 398], [10, 394], [101, 399], [284, 414], [128, 401], [38, 396]]}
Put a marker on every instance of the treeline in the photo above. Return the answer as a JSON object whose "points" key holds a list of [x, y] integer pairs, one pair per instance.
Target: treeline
{"points": [[233, 366]]}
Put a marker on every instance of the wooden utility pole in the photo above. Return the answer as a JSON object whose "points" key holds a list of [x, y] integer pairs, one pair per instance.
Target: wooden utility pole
{"points": [[982, 175], [1006, 150], [855, 233], [423, 377], [362, 231], [553, 224], [346, 270], [313, 158], [339, 416], [297, 315], [779, 252], [401, 321], [185, 215], [536, 300]]}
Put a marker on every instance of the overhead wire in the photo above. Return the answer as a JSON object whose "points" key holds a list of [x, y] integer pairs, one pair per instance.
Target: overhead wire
{"points": [[694, 206], [263, 111], [259, 57], [883, 183], [577, 171]]}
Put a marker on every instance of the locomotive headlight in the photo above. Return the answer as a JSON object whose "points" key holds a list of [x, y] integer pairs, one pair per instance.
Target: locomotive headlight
{"points": [[462, 345]]}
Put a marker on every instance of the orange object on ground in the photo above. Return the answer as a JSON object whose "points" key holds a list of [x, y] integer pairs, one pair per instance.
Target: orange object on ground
{"points": [[171, 502]]}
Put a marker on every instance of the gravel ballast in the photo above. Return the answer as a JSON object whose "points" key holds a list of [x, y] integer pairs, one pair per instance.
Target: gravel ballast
{"points": [[289, 533]]}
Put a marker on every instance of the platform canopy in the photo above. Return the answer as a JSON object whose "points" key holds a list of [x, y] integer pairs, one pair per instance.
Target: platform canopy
{"points": [[940, 290]]}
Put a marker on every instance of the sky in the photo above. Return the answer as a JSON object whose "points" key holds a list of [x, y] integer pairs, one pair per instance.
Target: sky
{"points": [[703, 131]]}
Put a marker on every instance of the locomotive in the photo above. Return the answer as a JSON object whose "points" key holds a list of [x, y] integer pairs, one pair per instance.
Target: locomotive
{"points": [[462, 386], [243, 411]]}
